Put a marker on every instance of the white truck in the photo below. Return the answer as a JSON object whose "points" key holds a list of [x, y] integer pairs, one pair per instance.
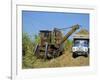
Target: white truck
{"points": [[80, 46]]}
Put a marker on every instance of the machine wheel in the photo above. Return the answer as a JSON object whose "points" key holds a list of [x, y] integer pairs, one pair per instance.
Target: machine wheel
{"points": [[46, 51], [36, 50]]}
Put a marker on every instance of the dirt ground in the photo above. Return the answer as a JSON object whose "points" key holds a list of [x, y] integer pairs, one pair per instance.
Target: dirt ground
{"points": [[65, 60], [68, 60]]}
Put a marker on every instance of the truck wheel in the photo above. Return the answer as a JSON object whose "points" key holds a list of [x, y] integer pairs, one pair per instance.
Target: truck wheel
{"points": [[74, 55], [86, 55]]}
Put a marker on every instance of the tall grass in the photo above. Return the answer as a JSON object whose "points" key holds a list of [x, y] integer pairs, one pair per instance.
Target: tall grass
{"points": [[68, 45], [27, 51], [28, 58]]}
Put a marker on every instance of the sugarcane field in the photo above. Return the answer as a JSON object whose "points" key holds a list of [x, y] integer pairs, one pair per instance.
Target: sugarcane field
{"points": [[57, 44]]}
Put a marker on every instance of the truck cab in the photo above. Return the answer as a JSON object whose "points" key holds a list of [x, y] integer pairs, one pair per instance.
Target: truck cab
{"points": [[80, 46]]}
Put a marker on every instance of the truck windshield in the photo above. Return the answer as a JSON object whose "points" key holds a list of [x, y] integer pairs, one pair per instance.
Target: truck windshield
{"points": [[83, 43]]}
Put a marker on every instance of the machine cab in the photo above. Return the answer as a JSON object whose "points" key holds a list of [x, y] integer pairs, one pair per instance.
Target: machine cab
{"points": [[45, 36]]}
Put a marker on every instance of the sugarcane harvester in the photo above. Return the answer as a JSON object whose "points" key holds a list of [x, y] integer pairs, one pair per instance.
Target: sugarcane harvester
{"points": [[52, 42]]}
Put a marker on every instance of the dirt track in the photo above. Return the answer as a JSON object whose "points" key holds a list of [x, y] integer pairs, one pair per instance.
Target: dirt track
{"points": [[65, 60]]}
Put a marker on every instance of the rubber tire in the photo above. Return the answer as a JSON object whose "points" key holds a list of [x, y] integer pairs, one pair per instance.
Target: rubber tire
{"points": [[86, 55], [74, 55]]}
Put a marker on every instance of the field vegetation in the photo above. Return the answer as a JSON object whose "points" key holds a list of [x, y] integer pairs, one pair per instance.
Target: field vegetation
{"points": [[65, 60]]}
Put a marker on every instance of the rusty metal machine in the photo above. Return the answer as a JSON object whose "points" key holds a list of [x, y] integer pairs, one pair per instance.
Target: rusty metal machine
{"points": [[52, 42]]}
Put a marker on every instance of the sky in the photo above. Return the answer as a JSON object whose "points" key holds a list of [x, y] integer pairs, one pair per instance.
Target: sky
{"points": [[33, 21]]}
